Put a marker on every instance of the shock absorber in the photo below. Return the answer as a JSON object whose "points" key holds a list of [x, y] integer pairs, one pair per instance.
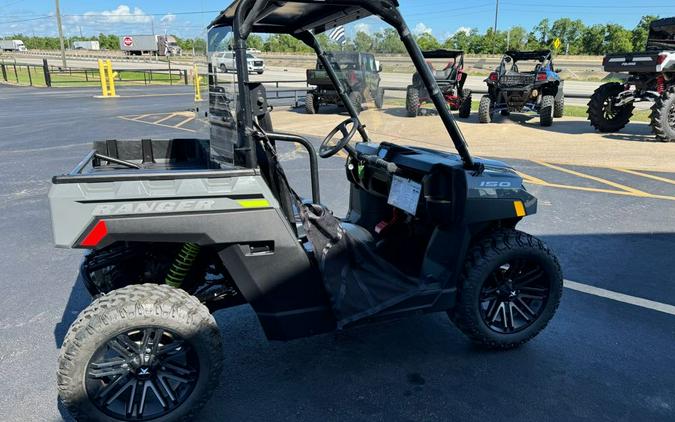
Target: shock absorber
{"points": [[660, 84], [182, 265]]}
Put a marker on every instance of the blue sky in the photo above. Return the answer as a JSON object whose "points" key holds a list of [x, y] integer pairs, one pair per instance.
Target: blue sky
{"points": [[186, 18]]}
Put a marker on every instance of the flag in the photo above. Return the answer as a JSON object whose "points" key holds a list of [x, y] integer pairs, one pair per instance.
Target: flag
{"points": [[166, 45], [338, 35]]}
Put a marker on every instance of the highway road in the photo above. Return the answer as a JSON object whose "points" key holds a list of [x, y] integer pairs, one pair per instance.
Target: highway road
{"points": [[275, 73]]}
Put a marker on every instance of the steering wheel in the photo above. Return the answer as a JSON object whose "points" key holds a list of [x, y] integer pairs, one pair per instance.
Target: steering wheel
{"points": [[329, 147]]}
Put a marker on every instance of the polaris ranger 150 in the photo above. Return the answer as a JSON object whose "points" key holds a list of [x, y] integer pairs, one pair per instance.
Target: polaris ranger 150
{"points": [[177, 229], [511, 89], [450, 80], [651, 77], [360, 74]]}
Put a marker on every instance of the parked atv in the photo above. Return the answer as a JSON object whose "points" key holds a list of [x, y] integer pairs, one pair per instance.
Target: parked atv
{"points": [[178, 229], [512, 89], [651, 77], [360, 74], [450, 80]]}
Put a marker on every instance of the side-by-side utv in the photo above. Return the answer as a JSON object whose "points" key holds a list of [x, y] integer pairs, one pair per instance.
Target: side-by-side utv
{"points": [[450, 81], [175, 230], [524, 81]]}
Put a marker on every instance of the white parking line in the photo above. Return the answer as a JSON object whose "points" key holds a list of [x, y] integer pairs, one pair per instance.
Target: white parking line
{"points": [[620, 297]]}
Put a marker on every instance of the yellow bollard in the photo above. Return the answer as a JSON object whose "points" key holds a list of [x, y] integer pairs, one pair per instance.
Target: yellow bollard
{"points": [[111, 80], [102, 73], [197, 80]]}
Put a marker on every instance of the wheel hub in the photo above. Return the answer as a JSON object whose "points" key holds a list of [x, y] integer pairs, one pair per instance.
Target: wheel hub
{"points": [[141, 374]]}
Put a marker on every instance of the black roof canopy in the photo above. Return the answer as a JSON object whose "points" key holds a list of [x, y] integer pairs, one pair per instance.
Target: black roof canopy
{"points": [[295, 16], [442, 54], [540, 55], [664, 25]]}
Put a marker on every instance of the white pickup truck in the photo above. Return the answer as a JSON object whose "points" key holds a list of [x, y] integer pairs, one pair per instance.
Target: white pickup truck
{"points": [[224, 61]]}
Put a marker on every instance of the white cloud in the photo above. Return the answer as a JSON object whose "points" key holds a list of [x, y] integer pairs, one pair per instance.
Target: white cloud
{"points": [[422, 28], [168, 19], [464, 29], [362, 27], [122, 14]]}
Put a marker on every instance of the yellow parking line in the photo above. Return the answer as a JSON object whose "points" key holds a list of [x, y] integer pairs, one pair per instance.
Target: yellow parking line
{"points": [[164, 119], [634, 191], [647, 175], [531, 179], [189, 119]]}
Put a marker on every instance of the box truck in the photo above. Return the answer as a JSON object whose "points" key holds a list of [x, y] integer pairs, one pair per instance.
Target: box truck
{"points": [[159, 45], [12, 45]]}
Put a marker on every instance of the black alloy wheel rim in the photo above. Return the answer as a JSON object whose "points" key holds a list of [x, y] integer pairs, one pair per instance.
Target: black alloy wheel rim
{"points": [[671, 116], [142, 374], [610, 110], [514, 296]]}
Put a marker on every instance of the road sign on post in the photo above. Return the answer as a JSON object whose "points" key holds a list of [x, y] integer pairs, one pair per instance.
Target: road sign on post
{"points": [[557, 43]]}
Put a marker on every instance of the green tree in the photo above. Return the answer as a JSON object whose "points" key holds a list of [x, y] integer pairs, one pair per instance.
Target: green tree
{"points": [[640, 34], [542, 32], [426, 41], [569, 32], [617, 39], [593, 40], [517, 38], [389, 42], [363, 42]]}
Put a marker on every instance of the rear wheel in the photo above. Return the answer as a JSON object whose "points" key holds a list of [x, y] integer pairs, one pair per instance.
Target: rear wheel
{"points": [[663, 116], [465, 106], [141, 352], [509, 291], [604, 115], [412, 101], [311, 103], [356, 101], [485, 109], [559, 106], [379, 98], [546, 110]]}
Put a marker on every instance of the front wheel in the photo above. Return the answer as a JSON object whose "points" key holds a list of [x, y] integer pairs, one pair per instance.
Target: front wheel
{"points": [[412, 101], [509, 291], [140, 353], [485, 109], [311, 103], [356, 100], [559, 106], [379, 98], [465, 106]]}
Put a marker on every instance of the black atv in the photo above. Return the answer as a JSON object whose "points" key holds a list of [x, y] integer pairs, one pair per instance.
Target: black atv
{"points": [[514, 90], [450, 80], [360, 74], [651, 77]]}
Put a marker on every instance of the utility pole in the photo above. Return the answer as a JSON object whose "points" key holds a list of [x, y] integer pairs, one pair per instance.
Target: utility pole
{"points": [[494, 30], [58, 23]]}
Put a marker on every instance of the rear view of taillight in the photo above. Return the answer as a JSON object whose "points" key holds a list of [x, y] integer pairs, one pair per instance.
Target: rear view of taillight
{"points": [[542, 76], [95, 235], [494, 76], [661, 58]]}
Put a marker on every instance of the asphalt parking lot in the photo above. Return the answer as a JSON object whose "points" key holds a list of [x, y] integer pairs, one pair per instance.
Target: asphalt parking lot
{"points": [[607, 355]]}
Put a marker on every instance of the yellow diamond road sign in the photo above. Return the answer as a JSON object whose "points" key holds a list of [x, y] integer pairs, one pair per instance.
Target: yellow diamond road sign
{"points": [[557, 43]]}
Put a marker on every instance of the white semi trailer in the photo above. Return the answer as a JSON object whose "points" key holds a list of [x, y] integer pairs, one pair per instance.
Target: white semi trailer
{"points": [[159, 45], [12, 45], [86, 45]]}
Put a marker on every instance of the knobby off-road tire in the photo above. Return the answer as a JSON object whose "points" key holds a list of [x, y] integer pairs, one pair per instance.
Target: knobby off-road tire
{"points": [[546, 110], [533, 267], [663, 116], [357, 101], [485, 109], [465, 106], [144, 308], [412, 101], [559, 106], [311, 103], [378, 98], [599, 114]]}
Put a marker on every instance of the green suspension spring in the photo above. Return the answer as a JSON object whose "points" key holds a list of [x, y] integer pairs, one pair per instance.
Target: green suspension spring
{"points": [[182, 265]]}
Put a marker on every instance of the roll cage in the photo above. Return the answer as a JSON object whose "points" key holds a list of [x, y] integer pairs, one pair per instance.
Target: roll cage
{"points": [[303, 19]]}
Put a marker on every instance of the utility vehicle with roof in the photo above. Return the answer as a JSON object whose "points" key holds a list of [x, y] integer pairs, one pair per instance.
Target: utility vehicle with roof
{"points": [[651, 78], [450, 80], [360, 75], [524, 81], [175, 230]]}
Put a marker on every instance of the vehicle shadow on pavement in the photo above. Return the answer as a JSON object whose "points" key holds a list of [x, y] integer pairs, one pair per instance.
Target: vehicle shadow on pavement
{"points": [[78, 300]]}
